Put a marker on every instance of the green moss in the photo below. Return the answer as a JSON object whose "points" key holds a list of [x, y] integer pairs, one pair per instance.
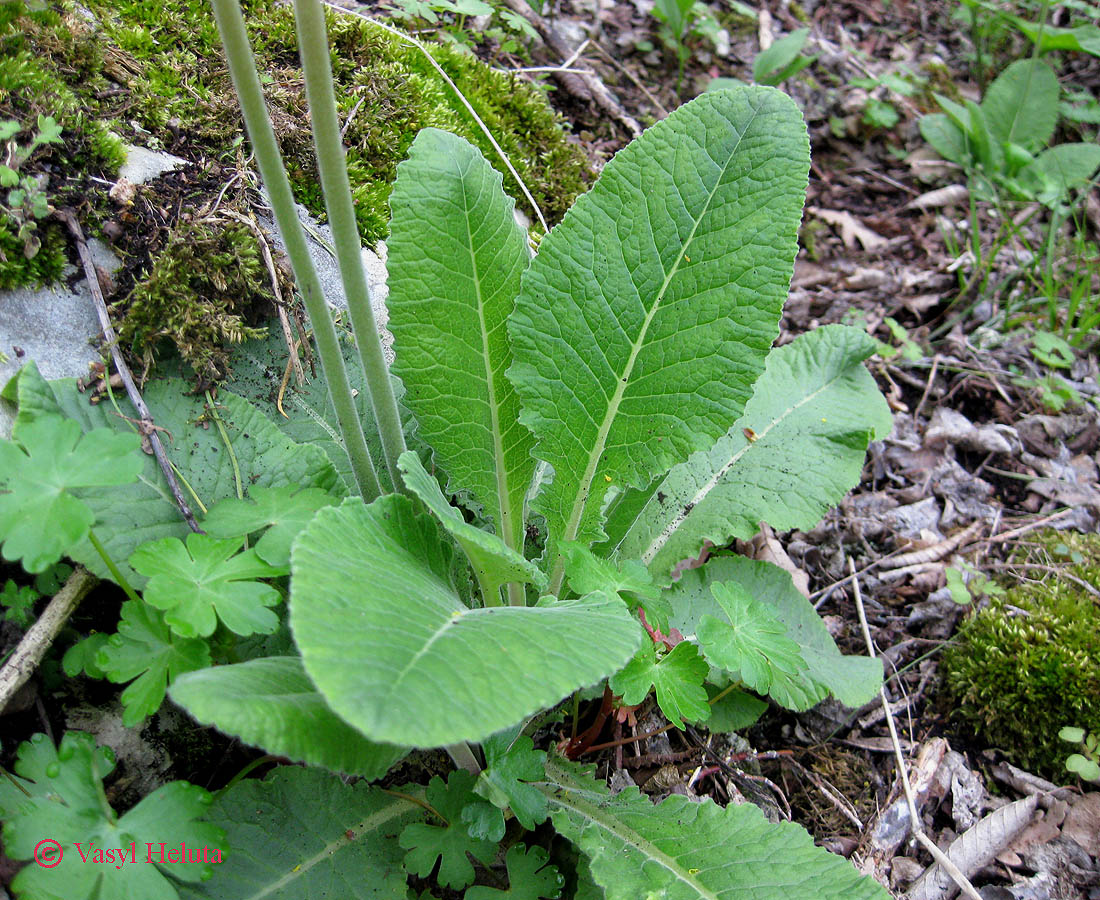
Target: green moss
{"points": [[386, 92], [46, 57], [43, 268], [198, 295], [1029, 663]]}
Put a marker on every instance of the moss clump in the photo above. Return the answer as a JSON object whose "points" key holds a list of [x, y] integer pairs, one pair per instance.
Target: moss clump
{"points": [[200, 291], [1029, 663], [50, 65], [386, 92]]}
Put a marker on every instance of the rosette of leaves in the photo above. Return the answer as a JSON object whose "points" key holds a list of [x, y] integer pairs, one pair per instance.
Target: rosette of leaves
{"points": [[619, 386], [619, 389]]}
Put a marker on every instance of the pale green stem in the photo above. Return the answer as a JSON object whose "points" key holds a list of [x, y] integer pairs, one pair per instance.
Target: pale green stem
{"points": [[119, 578], [332, 167], [517, 595], [270, 161], [463, 757]]}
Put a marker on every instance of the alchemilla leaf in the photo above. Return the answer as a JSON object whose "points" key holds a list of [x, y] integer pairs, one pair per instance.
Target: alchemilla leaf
{"points": [[748, 641], [129, 514], [59, 795], [678, 678], [450, 842], [146, 651], [384, 634], [853, 680], [530, 877], [511, 762], [647, 314], [40, 519], [586, 572], [455, 259], [280, 512], [206, 580]]}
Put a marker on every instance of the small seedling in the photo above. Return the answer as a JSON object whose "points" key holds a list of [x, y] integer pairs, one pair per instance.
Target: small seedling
{"points": [[783, 59], [1085, 764]]}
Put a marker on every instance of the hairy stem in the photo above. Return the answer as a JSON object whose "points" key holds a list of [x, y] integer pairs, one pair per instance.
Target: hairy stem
{"points": [[463, 757], [270, 161], [332, 166]]}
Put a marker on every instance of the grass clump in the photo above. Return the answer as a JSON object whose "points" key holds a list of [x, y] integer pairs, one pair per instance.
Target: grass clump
{"points": [[1029, 663], [198, 295]]}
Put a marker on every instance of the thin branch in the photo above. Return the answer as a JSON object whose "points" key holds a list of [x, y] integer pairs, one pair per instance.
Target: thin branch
{"points": [[903, 769], [145, 425], [22, 663]]}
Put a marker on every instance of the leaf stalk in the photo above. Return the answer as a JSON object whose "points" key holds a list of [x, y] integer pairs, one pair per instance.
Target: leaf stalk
{"points": [[242, 67], [332, 167]]}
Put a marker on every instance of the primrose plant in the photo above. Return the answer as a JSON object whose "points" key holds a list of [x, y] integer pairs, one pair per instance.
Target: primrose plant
{"points": [[604, 411]]}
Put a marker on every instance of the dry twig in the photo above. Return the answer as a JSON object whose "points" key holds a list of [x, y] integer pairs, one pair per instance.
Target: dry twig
{"points": [[903, 770], [146, 426], [26, 657]]}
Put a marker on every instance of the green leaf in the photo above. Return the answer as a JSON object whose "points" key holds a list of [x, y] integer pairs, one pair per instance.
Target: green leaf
{"points": [[735, 711], [60, 796], [781, 60], [271, 704], [132, 514], [747, 640], [1058, 170], [81, 657], [1083, 38], [678, 677], [587, 573], [495, 563], [511, 762], [530, 877], [946, 138], [853, 680], [283, 511], [484, 821], [302, 834], [681, 850], [443, 672], [1021, 105], [449, 843], [455, 259], [146, 649], [19, 602], [207, 576], [40, 519], [808, 424], [305, 414], [645, 319]]}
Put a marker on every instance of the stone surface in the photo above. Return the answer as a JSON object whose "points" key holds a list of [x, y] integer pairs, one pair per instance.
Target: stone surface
{"points": [[54, 326]]}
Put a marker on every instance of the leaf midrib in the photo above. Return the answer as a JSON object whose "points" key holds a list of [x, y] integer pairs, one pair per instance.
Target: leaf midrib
{"points": [[504, 520], [622, 381], [619, 830], [666, 534], [370, 824]]}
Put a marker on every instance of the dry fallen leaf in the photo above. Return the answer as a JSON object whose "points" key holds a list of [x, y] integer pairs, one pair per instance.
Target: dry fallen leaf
{"points": [[851, 229]]}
